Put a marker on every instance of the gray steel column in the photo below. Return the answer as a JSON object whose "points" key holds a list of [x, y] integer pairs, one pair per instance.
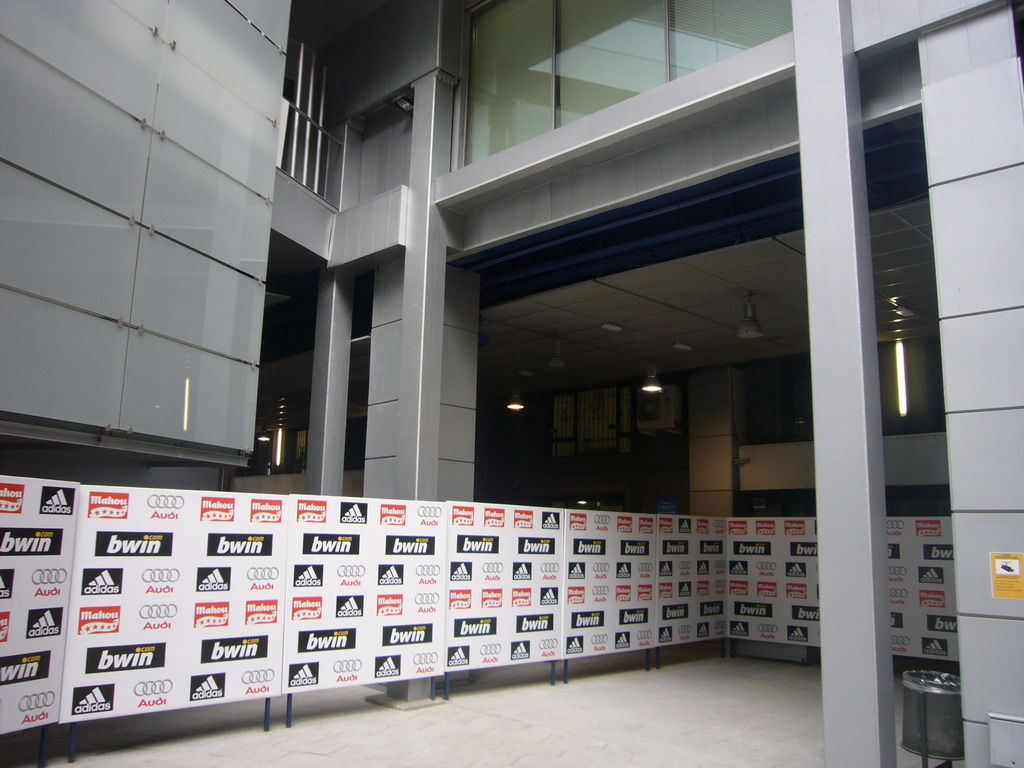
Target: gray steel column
{"points": [[419, 387], [328, 408], [857, 683]]}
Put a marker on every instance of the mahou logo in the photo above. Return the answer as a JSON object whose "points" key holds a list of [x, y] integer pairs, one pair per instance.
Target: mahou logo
{"points": [[796, 591], [577, 521], [737, 527], [795, 528], [208, 615], [261, 612], [12, 498], [389, 605], [460, 599], [645, 591], [494, 517], [108, 505], [929, 527], [307, 608], [462, 515], [764, 527], [646, 525], [217, 509], [523, 518], [577, 595], [266, 510], [392, 514], [5, 625], [522, 597], [98, 620], [311, 511], [491, 598], [625, 524]]}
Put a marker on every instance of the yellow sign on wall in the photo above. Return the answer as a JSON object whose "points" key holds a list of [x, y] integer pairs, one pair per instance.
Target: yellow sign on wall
{"points": [[1007, 574]]}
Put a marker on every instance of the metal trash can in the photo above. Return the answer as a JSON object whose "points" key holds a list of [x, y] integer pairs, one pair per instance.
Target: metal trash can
{"points": [[932, 720]]}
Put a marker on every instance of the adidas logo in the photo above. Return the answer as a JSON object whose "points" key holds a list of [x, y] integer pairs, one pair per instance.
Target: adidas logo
{"points": [[44, 626], [309, 578], [739, 568], [354, 514], [520, 652], [390, 576], [666, 568], [930, 576], [6, 579], [350, 608], [213, 582], [574, 645], [577, 572], [303, 676], [94, 701], [522, 573], [549, 597], [797, 634], [57, 504], [934, 647], [207, 689], [623, 572], [386, 667], [457, 657], [551, 521], [103, 583], [461, 572]]}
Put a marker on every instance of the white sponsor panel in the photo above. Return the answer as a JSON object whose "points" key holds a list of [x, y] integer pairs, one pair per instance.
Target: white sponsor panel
{"points": [[37, 533], [690, 579], [177, 601], [364, 596], [504, 590], [772, 580], [922, 596]]}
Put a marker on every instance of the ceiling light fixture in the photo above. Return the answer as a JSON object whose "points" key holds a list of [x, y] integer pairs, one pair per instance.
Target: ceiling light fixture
{"points": [[903, 311], [682, 347], [611, 327], [555, 362], [515, 403], [651, 383], [750, 328]]}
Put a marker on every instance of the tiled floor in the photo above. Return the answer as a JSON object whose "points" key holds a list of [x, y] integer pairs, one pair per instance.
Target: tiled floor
{"points": [[697, 711]]}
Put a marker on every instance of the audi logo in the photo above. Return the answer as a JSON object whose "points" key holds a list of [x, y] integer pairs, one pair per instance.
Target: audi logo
{"points": [[895, 525], [598, 639], [897, 570], [644, 567], [36, 701], [599, 589], [685, 565], [153, 687], [424, 658], [351, 571], [430, 513], [165, 501], [49, 576], [493, 567], [765, 565], [161, 611], [264, 573], [767, 627], [549, 567], [491, 649], [897, 592], [903, 640], [347, 665], [428, 570], [548, 643], [602, 519], [160, 575], [428, 598], [257, 676], [643, 634], [601, 567]]}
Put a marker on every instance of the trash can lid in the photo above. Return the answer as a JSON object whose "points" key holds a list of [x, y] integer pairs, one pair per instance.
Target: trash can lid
{"points": [[931, 682]]}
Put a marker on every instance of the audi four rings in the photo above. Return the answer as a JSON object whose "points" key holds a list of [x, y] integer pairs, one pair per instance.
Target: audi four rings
{"points": [[602, 519], [430, 512], [897, 570], [160, 575], [548, 643], [351, 571], [257, 676], [428, 598], [428, 570], [153, 687], [765, 565], [903, 640], [160, 611], [767, 627], [643, 634], [49, 576], [424, 658], [39, 700], [347, 665], [549, 567], [165, 501], [644, 567], [491, 649], [898, 592], [599, 638], [599, 589], [601, 567], [493, 567], [263, 573]]}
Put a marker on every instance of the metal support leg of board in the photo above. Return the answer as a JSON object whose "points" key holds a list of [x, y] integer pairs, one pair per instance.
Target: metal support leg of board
{"points": [[288, 712], [433, 688], [266, 714], [647, 660], [657, 658], [72, 742], [44, 732], [447, 686], [554, 674], [565, 672]]}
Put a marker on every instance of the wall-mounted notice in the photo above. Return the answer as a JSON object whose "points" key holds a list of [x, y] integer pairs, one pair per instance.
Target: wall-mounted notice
{"points": [[609, 582], [773, 580], [1007, 574], [922, 597], [690, 579], [37, 535], [177, 601], [504, 596], [364, 591]]}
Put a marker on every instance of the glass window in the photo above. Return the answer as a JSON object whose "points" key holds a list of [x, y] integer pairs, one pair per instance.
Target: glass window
{"points": [[510, 75], [608, 50]]}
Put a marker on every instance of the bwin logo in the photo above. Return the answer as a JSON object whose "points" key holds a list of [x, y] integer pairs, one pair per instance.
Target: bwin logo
{"points": [[521, 650], [802, 613]]}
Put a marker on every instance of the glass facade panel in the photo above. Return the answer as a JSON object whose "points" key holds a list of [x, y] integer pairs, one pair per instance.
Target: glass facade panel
{"points": [[510, 92], [608, 50], [702, 32]]}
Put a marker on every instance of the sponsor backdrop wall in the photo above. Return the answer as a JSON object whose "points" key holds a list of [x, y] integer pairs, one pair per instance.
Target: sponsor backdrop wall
{"points": [[504, 585], [364, 591], [37, 533], [176, 601], [691, 579]]}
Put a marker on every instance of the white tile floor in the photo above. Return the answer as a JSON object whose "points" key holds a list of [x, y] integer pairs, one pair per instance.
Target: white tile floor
{"points": [[697, 711]]}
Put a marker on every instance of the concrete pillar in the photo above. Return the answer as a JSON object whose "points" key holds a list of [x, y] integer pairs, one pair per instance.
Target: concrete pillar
{"points": [[857, 686], [715, 403], [974, 133]]}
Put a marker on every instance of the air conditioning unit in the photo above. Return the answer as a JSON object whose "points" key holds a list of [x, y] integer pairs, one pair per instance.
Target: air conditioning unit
{"points": [[660, 410]]}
